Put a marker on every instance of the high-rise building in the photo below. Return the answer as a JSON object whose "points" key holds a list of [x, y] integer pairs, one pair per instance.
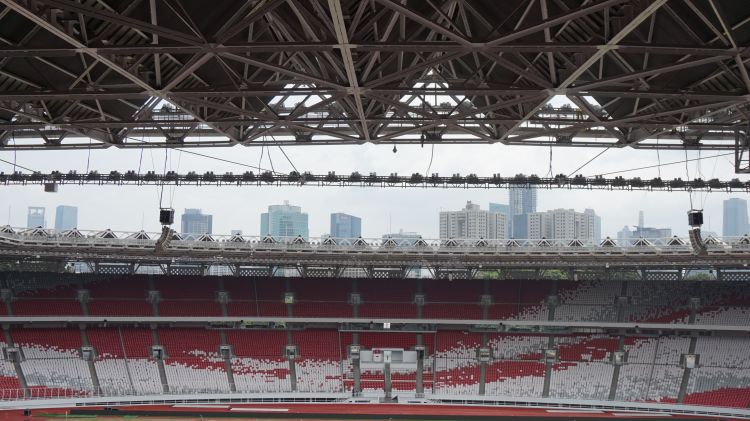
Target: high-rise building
{"points": [[504, 209], [345, 226], [500, 208], [35, 218], [194, 222], [597, 224], [284, 221], [645, 232], [521, 202], [642, 231], [403, 237], [562, 224], [735, 221], [520, 226], [472, 223], [641, 219], [66, 218]]}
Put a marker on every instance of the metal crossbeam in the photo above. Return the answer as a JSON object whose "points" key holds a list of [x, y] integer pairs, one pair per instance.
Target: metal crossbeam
{"points": [[358, 71]]}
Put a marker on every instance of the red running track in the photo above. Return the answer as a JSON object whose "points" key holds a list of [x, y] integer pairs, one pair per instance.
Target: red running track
{"points": [[321, 410]]}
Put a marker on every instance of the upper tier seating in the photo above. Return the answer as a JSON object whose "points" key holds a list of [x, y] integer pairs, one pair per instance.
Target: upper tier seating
{"points": [[594, 300]]}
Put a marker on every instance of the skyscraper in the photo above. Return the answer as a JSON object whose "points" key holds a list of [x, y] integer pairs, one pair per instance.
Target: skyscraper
{"points": [[345, 226], [194, 222], [35, 218], [735, 221], [521, 202], [284, 221], [472, 223], [562, 224], [66, 218]]}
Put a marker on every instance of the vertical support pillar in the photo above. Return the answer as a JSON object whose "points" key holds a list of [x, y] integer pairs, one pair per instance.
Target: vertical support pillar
{"points": [[695, 303], [353, 351], [158, 353], [618, 359], [420, 349], [7, 296], [387, 383], [289, 297], [222, 297], [621, 304], [688, 362], [550, 356], [225, 352], [290, 350], [485, 300], [15, 356], [154, 297], [552, 302], [88, 354], [291, 356], [419, 300], [83, 297], [483, 357], [355, 299]]}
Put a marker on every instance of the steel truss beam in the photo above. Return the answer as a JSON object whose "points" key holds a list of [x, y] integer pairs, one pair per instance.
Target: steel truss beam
{"points": [[357, 71], [471, 181], [441, 255]]}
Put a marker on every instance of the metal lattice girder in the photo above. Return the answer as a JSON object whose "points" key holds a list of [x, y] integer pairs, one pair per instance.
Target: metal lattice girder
{"points": [[221, 73]]}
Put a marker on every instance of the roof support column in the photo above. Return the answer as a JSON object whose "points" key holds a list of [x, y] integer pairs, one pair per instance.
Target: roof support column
{"points": [[90, 362]]}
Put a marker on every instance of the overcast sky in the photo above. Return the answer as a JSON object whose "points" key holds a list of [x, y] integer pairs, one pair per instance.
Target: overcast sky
{"points": [[381, 210]]}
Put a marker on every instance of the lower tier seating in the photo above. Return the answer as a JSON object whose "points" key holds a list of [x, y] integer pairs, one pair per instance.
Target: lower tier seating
{"points": [[195, 362]]}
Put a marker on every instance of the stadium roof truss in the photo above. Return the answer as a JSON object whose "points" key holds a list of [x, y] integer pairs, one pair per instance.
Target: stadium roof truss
{"points": [[134, 73]]}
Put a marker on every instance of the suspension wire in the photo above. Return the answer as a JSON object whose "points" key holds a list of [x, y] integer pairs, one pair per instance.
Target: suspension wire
{"points": [[702, 195], [687, 178], [716, 162], [15, 151], [285, 156], [663, 165], [269, 159], [15, 165], [429, 166], [549, 172], [88, 158], [589, 161], [140, 160], [177, 170], [216, 158], [658, 156], [161, 192]]}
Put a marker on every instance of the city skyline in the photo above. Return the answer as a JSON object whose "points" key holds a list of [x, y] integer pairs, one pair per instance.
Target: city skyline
{"points": [[647, 232], [131, 208]]}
